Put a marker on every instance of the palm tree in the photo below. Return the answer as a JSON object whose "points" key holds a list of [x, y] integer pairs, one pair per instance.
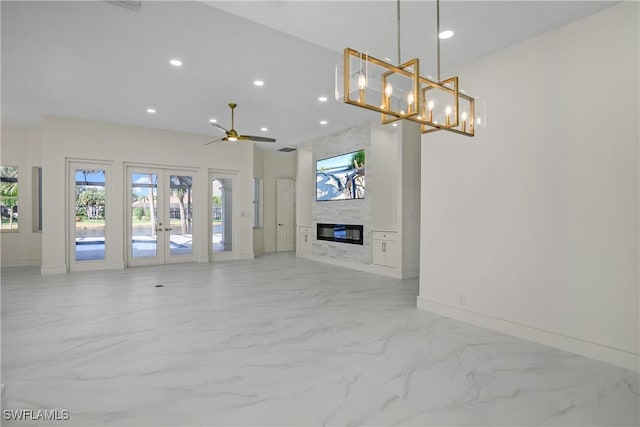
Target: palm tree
{"points": [[183, 188]]}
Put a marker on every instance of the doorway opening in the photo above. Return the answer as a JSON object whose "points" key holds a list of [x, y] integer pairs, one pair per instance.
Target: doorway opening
{"points": [[222, 227]]}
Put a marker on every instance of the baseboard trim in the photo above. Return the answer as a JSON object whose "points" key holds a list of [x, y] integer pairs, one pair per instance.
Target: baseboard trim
{"points": [[96, 266], [368, 268], [258, 252], [599, 352], [410, 274], [21, 263], [53, 269]]}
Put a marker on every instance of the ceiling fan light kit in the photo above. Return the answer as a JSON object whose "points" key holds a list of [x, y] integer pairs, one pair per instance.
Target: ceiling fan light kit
{"points": [[399, 92], [232, 134]]}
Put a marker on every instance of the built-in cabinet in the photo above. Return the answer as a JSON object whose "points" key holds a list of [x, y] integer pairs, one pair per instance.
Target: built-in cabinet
{"points": [[305, 237], [385, 250]]}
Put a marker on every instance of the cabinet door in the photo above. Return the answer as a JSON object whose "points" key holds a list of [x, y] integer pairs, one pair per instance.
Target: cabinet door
{"points": [[378, 253], [306, 242], [385, 253], [391, 254]]}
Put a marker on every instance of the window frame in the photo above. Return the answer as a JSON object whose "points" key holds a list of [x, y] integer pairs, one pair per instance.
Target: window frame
{"points": [[257, 202]]}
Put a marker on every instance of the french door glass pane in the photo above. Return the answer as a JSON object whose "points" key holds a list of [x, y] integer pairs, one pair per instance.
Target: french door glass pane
{"points": [[144, 211], [221, 226], [180, 215], [9, 197], [90, 215]]}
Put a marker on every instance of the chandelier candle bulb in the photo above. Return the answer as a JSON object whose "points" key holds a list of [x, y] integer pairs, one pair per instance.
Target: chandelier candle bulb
{"points": [[410, 100], [447, 111], [388, 89], [388, 92], [362, 84], [362, 81], [464, 121]]}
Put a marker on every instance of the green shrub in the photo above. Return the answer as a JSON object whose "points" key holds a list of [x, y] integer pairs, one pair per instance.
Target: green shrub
{"points": [[138, 213]]}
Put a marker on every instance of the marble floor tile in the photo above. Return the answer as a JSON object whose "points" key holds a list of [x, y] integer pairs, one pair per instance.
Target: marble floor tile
{"points": [[279, 341]]}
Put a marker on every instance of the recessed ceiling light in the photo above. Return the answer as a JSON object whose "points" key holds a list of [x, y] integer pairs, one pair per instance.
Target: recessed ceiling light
{"points": [[264, 129], [151, 111], [394, 124], [213, 121], [176, 63], [258, 83], [323, 122], [446, 34], [322, 99]]}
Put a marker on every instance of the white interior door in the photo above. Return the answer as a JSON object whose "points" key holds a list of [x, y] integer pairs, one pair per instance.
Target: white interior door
{"points": [[285, 215], [160, 220]]}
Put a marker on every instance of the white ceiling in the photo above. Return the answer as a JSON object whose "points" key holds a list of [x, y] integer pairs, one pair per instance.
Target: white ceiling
{"points": [[96, 60]]}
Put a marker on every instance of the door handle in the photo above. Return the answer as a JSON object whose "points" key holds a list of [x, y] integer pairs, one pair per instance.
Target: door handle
{"points": [[280, 225], [168, 229]]}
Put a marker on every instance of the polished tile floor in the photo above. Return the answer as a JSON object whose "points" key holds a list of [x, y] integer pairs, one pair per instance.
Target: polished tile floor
{"points": [[279, 341]]}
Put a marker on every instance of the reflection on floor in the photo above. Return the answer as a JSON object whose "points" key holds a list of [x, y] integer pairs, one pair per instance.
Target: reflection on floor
{"points": [[93, 248], [279, 341]]}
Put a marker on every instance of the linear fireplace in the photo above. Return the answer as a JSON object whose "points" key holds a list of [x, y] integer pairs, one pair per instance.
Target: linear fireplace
{"points": [[343, 233]]}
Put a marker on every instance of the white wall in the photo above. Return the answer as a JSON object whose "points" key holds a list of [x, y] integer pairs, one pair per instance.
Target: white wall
{"points": [[64, 138], [21, 147], [305, 186], [276, 165], [383, 187], [408, 210], [531, 227]]}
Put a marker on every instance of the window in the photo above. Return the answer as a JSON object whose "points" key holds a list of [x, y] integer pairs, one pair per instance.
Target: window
{"points": [[37, 198], [257, 192], [9, 198]]}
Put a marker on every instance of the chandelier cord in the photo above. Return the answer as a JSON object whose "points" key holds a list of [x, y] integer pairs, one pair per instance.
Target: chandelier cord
{"points": [[438, 37], [398, 29]]}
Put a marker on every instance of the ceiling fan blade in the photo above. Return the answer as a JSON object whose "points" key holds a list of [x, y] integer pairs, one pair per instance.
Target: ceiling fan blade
{"points": [[222, 138], [217, 126], [256, 138]]}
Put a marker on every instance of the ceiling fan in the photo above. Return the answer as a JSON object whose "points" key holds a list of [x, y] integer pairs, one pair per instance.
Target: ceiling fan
{"points": [[232, 135]]}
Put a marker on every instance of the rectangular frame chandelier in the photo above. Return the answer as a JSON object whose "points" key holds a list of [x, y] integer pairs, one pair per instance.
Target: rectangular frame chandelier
{"points": [[399, 92]]}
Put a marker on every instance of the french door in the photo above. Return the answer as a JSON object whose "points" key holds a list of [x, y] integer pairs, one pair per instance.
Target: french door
{"points": [[160, 218]]}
